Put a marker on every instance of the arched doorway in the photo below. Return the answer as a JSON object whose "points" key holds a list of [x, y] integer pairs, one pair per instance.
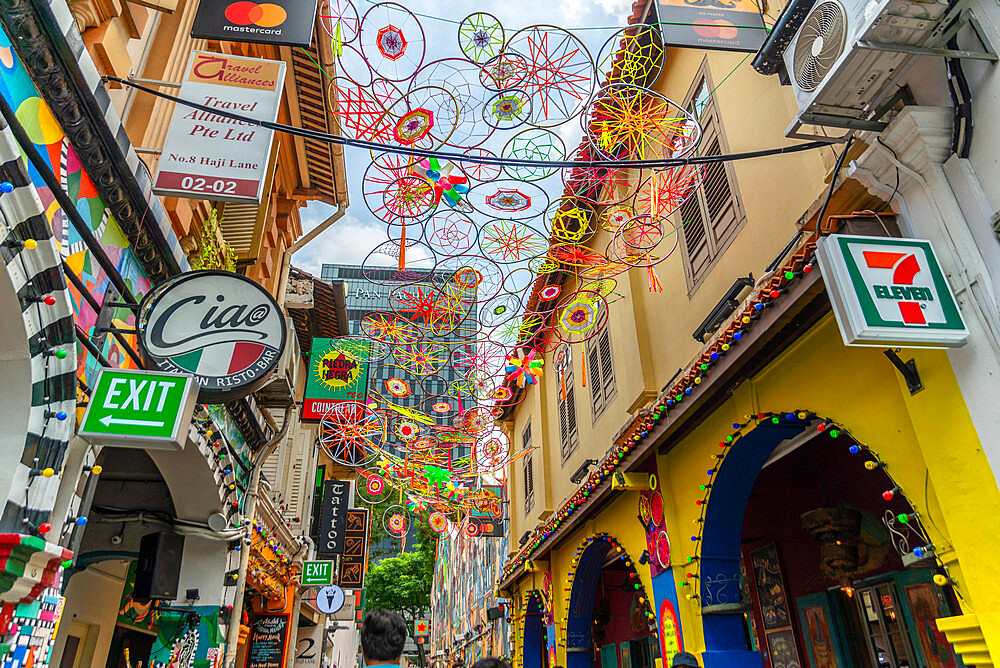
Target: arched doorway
{"points": [[810, 555], [535, 649], [610, 622]]}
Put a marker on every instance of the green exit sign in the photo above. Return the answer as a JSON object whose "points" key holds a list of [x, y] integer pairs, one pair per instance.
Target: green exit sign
{"points": [[317, 573], [140, 409]]}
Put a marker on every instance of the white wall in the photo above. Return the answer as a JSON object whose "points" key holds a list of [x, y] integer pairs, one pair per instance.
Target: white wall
{"points": [[92, 599]]}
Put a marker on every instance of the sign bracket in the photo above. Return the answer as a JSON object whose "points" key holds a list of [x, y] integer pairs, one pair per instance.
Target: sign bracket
{"points": [[908, 370]]}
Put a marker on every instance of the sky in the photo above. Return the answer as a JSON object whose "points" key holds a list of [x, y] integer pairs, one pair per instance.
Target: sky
{"points": [[358, 232]]}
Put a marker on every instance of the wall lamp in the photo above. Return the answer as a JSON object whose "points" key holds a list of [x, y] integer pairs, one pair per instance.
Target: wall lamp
{"points": [[733, 298], [581, 472]]}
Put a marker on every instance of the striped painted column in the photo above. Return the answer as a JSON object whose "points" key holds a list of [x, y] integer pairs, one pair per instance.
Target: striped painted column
{"points": [[32, 260]]}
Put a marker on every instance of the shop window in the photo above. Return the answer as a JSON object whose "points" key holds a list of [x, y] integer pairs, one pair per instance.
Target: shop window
{"points": [[601, 372], [528, 468], [712, 216], [885, 630], [569, 436]]}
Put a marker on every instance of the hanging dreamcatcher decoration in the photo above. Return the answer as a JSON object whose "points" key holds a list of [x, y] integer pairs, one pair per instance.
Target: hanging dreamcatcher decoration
{"points": [[563, 361], [471, 228]]}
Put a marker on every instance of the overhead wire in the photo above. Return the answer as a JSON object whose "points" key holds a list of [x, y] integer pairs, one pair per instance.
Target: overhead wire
{"points": [[330, 138]]}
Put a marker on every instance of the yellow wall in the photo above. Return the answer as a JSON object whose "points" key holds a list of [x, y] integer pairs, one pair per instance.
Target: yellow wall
{"points": [[618, 520], [650, 332], [924, 437]]}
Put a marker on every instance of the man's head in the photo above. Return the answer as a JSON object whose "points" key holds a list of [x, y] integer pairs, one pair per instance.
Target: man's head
{"points": [[684, 659], [383, 635], [490, 662]]}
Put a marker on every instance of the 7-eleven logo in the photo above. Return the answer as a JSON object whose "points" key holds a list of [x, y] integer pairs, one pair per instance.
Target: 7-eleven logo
{"points": [[904, 268]]}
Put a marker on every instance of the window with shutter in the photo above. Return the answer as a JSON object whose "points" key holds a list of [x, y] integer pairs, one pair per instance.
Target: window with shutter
{"points": [[602, 373], [569, 437], [712, 216], [269, 469], [295, 488], [594, 368], [529, 483], [607, 366]]}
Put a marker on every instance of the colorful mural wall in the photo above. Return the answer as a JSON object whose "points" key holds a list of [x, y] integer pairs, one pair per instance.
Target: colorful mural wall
{"points": [[29, 633], [465, 577], [188, 639], [45, 133]]}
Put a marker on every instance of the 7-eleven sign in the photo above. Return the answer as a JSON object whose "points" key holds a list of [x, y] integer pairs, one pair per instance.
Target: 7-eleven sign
{"points": [[888, 291]]}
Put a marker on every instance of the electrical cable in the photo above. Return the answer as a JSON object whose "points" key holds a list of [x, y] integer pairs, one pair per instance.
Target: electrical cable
{"points": [[895, 190], [833, 185], [961, 97], [461, 157]]}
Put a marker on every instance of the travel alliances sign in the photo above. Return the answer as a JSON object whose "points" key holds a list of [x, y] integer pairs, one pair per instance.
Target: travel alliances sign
{"points": [[207, 155]]}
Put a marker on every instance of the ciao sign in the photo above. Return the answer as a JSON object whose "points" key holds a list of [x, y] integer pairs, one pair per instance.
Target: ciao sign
{"points": [[221, 327]]}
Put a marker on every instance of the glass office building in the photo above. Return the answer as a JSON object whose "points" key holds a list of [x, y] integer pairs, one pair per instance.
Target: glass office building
{"points": [[364, 296]]}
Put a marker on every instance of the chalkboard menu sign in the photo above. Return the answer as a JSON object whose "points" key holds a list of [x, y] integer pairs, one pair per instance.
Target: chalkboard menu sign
{"points": [[268, 637]]}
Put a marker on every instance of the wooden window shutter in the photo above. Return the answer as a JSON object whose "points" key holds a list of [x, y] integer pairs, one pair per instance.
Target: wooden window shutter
{"points": [[270, 469], [719, 201], [529, 484], [607, 365], [594, 371], [295, 488], [695, 237], [571, 421]]}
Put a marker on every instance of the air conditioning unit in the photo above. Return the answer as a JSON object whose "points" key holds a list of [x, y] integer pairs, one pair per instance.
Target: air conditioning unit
{"points": [[842, 63], [280, 389]]}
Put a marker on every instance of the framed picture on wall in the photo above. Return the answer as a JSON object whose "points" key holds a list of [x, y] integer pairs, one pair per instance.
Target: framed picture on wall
{"points": [[770, 588], [819, 632], [626, 651], [781, 648], [925, 607]]}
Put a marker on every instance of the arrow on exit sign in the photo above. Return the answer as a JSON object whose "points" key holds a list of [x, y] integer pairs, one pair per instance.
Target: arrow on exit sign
{"points": [[140, 409], [107, 421]]}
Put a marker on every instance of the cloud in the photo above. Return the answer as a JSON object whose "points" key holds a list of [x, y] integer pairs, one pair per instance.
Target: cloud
{"points": [[348, 241]]}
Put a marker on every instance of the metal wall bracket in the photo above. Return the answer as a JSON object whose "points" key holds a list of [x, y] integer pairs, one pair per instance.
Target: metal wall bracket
{"points": [[962, 16], [908, 370], [929, 51]]}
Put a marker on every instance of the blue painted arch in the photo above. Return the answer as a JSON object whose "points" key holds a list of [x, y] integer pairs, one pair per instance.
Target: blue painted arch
{"points": [[722, 618], [583, 595], [533, 650]]}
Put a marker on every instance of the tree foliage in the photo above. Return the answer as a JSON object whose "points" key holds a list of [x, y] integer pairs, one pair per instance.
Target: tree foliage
{"points": [[403, 583], [213, 251], [378, 535]]}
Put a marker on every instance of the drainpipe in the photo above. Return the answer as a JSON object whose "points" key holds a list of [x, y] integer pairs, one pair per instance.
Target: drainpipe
{"points": [[286, 260], [233, 632]]}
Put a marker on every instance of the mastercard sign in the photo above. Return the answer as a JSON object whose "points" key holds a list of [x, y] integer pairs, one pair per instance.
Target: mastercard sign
{"points": [[278, 22], [727, 25]]}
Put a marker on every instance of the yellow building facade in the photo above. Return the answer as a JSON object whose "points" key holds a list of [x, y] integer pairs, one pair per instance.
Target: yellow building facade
{"points": [[766, 495]]}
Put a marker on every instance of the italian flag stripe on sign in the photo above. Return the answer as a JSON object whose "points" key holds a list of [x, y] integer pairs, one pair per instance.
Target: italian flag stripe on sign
{"points": [[244, 354], [189, 361]]}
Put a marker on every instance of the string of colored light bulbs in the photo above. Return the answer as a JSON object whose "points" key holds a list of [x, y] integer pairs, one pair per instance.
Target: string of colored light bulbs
{"points": [[907, 521]]}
